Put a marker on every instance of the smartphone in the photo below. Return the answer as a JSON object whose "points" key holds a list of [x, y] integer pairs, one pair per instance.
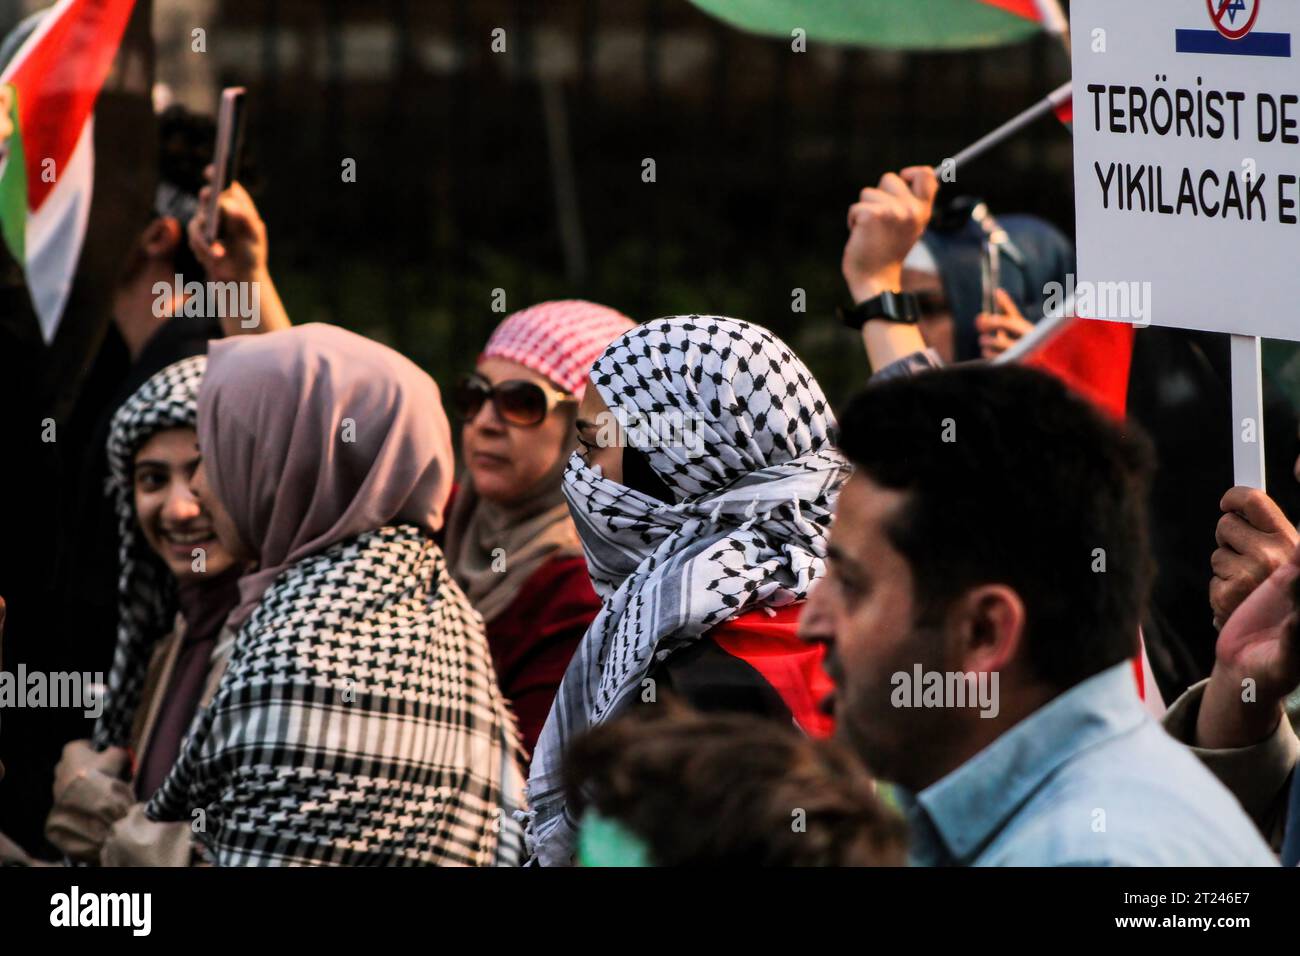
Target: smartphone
{"points": [[230, 140], [990, 274]]}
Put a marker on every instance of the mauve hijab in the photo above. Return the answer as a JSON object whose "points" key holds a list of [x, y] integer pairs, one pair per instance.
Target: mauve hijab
{"points": [[314, 435]]}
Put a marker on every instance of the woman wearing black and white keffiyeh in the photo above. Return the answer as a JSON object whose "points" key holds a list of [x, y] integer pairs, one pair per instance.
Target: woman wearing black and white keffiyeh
{"points": [[176, 583], [703, 494], [359, 720]]}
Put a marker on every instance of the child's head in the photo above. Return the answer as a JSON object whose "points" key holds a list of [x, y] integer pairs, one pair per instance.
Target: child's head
{"points": [[726, 789]]}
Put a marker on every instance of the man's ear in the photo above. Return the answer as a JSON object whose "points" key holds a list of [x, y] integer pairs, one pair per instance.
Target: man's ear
{"points": [[160, 238], [988, 624]]}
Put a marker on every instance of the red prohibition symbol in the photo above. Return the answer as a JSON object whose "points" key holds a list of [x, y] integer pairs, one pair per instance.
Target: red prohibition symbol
{"points": [[1219, 10]]}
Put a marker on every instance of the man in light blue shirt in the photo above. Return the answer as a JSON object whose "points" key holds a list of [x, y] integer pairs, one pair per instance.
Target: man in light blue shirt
{"points": [[987, 570], [1088, 779]]}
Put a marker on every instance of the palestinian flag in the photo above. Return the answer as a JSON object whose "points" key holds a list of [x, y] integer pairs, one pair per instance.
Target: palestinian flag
{"points": [[47, 177], [1092, 356], [1063, 107], [895, 24]]}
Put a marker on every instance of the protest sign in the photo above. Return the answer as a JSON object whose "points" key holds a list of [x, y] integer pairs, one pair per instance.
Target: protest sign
{"points": [[1187, 162], [1187, 176]]}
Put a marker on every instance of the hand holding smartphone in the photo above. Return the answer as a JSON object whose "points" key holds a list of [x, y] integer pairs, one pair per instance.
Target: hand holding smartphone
{"points": [[230, 141]]}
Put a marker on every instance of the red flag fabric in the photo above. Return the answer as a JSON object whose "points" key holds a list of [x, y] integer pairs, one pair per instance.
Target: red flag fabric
{"points": [[1021, 8], [58, 74], [1092, 357], [1065, 111], [771, 645]]}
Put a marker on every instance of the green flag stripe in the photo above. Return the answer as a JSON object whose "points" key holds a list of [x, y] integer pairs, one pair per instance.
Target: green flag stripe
{"points": [[13, 190], [898, 24]]}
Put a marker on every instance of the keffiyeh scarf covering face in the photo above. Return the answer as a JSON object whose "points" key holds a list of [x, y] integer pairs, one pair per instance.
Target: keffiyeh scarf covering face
{"points": [[755, 477], [146, 587], [359, 719]]}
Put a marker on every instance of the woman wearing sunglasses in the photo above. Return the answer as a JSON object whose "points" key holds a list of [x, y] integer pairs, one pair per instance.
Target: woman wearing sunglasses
{"points": [[510, 541]]}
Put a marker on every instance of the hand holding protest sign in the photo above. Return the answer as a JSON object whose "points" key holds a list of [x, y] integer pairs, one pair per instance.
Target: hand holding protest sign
{"points": [[1254, 539], [1257, 649]]}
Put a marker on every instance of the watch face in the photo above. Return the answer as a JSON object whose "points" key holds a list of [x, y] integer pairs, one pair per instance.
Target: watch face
{"points": [[909, 307], [891, 306], [897, 307]]}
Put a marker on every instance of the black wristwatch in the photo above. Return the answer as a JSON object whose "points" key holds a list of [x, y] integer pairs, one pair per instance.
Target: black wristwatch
{"points": [[900, 307]]}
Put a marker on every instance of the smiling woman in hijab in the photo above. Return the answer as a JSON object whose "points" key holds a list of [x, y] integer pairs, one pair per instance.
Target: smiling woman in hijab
{"points": [[176, 583], [510, 541], [702, 496], [359, 720]]}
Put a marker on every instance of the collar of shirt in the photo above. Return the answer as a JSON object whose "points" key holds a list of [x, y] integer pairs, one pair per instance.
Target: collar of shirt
{"points": [[965, 810]]}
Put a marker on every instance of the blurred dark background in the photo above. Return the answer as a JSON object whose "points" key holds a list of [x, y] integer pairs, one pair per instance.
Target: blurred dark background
{"points": [[522, 170]]}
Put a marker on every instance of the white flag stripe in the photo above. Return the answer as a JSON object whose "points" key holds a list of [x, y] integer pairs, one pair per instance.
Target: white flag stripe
{"points": [[1053, 17], [1046, 330], [51, 17], [56, 231]]}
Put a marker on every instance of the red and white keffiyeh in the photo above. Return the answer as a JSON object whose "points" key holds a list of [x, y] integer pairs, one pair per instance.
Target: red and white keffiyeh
{"points": [[558, 339]]}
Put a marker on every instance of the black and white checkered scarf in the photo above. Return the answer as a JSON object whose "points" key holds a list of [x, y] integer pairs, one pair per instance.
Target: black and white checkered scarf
{"points": [[755, 476], [146, 587], [358, 722]]}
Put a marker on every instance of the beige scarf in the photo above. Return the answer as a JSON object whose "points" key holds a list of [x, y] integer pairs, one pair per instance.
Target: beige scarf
{"points": [[530, 532]]}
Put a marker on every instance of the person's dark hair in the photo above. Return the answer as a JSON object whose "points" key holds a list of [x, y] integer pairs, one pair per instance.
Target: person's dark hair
{"points": [[1012, 479], [185, 144], [731, 790]]}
